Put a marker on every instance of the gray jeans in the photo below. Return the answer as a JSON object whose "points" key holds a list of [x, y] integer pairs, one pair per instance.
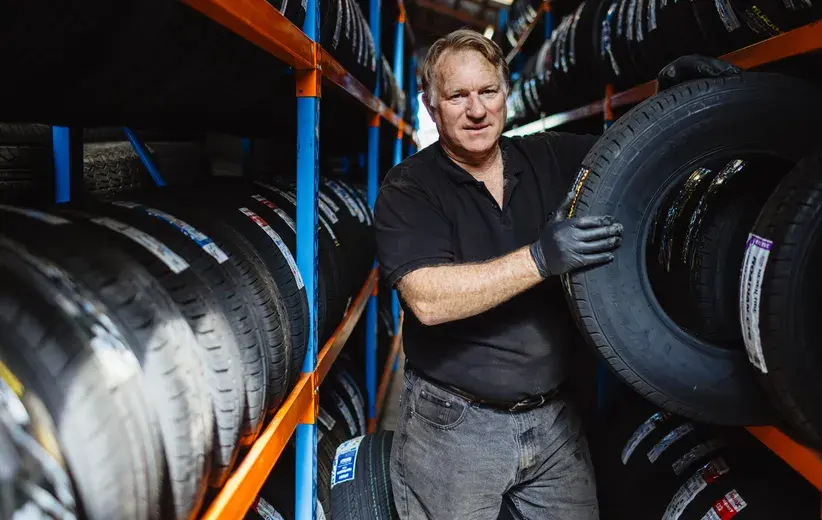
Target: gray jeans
{"points": [[452, 460]]}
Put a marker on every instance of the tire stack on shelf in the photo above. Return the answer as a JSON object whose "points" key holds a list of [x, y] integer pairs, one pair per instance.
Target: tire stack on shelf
{"points": [[652, 464], [341, 417], [169, 322], [627, 42], [344, 32], [110, 164], [716, 319], [521, 15]]}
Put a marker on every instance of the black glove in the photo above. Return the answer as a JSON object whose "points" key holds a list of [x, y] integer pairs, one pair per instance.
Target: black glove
{"points": [[568, 244], [693, 66]]}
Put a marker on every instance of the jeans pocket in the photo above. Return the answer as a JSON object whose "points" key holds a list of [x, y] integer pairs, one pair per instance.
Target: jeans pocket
{"points": [[438, 408]]}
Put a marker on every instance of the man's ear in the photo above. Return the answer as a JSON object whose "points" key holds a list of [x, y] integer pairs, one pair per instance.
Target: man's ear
{"points": [[428, 107]]}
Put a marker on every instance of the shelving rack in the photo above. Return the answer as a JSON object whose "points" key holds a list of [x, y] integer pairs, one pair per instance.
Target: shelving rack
{"points": [[261, 24], [802, 40]]}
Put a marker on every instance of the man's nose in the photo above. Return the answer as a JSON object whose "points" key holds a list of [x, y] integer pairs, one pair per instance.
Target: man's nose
{"points": [[476, 108]]}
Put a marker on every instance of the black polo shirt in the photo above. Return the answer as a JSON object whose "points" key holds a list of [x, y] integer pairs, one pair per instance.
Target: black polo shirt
{"points": [[430, 211]]}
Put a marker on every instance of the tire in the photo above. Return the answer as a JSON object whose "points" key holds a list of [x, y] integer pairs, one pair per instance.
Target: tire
{"points": [[239, 403], [186, 273], [780, 328], [163, 343], [113, 167], [626, 174], [62, 351], [255, 309], [366, 492], [661, 461], [278, 260]]}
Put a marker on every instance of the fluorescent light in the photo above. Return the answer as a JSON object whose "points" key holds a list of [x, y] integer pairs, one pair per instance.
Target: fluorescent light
{"points": [[489, 32]]}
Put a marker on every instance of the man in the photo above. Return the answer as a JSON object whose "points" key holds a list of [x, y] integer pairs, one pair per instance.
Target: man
{"points": [[472, 232]]}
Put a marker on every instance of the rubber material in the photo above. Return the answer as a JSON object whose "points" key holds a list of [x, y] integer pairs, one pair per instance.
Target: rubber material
{"points": [[369, 495], [163, 344], [788, 310], [624, 175], [53, 348]]}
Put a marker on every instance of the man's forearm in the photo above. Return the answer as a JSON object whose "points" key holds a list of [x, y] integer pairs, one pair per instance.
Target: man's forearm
{"points": [[452, 292]]}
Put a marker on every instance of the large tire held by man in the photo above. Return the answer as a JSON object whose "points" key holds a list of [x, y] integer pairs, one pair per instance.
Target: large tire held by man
{"points": [[627, 174], [779, 290]]}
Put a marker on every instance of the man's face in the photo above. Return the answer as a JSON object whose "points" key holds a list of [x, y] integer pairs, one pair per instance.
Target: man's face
{"points": [[470, 103]]}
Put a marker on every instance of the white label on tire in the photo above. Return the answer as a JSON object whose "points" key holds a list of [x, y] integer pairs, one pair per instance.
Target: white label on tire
{"points": [[349, 419], [195, 235], [696, 453], [320, 514], [278, 242], [198, 237], [293, 202], [326, 419], [757, 251], [693, 486], [54, 220], [327, 211], [266, 510], [359, 406], [278, 191], [726, 507], [328, 202], [172, 260], [285, 217], [672, 436], [345, 462], [640, 433], [347, 199]]}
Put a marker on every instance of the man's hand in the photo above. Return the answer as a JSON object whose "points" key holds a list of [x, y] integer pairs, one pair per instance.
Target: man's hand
{"points": [[570, 244]]}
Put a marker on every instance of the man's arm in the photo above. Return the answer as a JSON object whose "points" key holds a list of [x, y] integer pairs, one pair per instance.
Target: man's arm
{"points": [[452, 292]]}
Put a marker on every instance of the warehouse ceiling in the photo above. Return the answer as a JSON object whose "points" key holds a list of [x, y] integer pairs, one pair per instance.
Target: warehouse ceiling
{"points": [[431, 19]]}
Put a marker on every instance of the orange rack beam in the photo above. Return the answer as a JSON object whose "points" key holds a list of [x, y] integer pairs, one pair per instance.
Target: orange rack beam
{"points": [[238, 493], [543, 8], [261, 24], [793, 43], [805, 461], [388, 371]]}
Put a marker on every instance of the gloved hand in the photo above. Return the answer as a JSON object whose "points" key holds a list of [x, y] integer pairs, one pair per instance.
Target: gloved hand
{"points": [[568, 244]]}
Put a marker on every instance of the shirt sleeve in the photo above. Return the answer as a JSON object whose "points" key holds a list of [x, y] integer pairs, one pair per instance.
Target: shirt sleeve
{"points": [[411, 231]]}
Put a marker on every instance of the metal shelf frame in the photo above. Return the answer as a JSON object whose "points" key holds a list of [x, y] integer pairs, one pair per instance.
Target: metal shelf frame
{"points": [[261, 24], [802, 40]]}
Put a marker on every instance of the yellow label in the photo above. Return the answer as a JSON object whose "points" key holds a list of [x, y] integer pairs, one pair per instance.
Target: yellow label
{"points": [[580, 181], [10, 379]]}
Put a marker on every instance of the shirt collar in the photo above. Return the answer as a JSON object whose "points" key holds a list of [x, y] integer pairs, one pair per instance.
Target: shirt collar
{"points": [[512, 162]]}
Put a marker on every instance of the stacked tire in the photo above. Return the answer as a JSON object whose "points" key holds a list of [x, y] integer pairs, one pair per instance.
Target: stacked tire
{"points": [[688, 186], [146, 341], [341, 418], [777, 288], [653, 464], [110, 164], [345, 33], [627, 42]]}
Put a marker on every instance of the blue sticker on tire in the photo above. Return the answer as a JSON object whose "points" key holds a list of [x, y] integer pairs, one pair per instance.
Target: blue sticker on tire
{"points": [[345, 462]]}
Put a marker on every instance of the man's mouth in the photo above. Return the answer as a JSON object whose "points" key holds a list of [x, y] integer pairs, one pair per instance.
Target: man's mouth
{"points": [[476, 128]]}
